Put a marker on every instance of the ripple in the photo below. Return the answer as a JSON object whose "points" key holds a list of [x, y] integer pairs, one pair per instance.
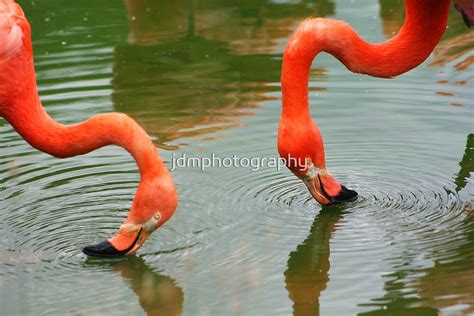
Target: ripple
{"points": [[396, 142]]}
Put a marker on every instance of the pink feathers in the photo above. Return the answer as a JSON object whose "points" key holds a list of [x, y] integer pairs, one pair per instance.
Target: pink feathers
{"points": [[11, 34]]}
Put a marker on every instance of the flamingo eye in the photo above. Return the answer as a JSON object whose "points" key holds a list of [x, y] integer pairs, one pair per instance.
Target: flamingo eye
{"points": [[157, 216]]}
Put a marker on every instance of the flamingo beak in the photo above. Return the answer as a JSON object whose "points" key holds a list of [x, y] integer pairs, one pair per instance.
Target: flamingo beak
{"points": [[106, 249], [130, 238], [316, 188]]}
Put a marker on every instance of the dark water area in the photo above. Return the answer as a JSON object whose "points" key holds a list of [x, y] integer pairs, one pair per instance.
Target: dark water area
{"points": [[202, 77]]}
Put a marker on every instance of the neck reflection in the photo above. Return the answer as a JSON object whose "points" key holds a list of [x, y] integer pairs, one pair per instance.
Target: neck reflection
{"points": [[308, 266], [157, 294]]}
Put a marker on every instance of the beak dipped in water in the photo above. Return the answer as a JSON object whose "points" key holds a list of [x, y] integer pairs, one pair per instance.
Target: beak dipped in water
{"points": [[315, 180], [129, 239]]}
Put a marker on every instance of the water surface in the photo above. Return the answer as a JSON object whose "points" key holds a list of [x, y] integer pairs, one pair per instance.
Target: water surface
{"points": [[203, 77]]}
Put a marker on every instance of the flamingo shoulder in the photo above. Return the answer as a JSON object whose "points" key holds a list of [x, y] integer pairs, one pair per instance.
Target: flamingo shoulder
{"points": [[11, 33]]}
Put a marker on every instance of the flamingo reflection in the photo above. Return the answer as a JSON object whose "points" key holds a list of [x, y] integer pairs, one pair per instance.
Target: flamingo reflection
{"points": [[308, 266], [157, 294], [194, 68]]}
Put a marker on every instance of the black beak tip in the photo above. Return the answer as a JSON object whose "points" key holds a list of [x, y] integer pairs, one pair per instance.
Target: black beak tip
{"points": [[103, 250], [345, 195]]}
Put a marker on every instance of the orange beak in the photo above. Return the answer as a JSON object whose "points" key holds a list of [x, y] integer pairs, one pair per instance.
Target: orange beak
{"points": [[134, 239], [315, 185], [316, 188], [129, 239]]}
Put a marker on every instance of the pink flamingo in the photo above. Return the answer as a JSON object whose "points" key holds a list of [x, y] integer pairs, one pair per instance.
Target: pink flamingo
{"points": [[156, 198], [298, 136]]}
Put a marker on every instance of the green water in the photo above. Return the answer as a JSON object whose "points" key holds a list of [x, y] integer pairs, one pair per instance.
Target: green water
{"points": [[202, 77]]}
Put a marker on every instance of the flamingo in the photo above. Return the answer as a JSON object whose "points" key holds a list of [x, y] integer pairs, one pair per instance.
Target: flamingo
{"points": [[298, 137], [300, 142], [156, 198]]}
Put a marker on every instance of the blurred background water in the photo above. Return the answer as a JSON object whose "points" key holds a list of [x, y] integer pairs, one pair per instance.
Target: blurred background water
{"points": [[202, 77]]}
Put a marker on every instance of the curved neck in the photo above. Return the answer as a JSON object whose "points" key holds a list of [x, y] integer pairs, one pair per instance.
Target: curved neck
{"points": [[424, 25], [20, 105], [34, 124]]}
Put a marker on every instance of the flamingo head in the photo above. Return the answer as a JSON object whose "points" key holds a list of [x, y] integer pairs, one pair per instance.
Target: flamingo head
{"points": [[323, 187], [155, 202], [301, 147], [129, 239]]}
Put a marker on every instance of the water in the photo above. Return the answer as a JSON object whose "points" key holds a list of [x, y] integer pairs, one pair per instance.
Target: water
{"points": [[203, 77]]}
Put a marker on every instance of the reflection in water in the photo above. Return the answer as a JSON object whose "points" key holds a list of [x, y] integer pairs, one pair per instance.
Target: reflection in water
{"points": [[392, 13], [450, 282], [157, 294], [207, 73], [415, 250], [408, 291], [466, 164], [453, 48], [446, 286], [308, 266], [400, 298]]}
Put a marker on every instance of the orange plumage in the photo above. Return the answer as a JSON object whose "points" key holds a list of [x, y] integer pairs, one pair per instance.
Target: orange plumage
{"points": [[298, 136], [156, 198]]}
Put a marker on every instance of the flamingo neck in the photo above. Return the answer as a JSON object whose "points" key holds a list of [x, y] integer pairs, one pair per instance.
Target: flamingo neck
{"points": [[156, 191], [20, 105], [42, 132], [424, 25], [155, 200]]}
